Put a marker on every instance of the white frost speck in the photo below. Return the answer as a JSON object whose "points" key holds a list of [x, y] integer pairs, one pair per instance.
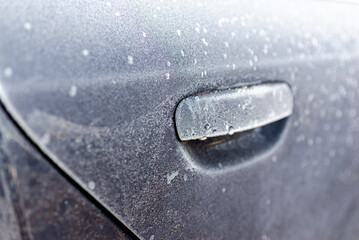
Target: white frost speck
{"points": [[8, 72], [224, 55], [204, 41], [265, 49], [167, 76], [168, 63], [144, 34], [197, 29], [130, 60], [171, 176], [117, 14], [230, 130], [85, 52], [152, 237], [182, 53], [27, 26], [73, 91], [226, 44], [178, 32], [265, 237], [91, 185], [262, 33], [224, 190], [108, 4], [45, 139], [185, 177]]}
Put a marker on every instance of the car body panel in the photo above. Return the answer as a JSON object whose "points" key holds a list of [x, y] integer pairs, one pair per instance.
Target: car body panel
{"points": [[95, 85]]}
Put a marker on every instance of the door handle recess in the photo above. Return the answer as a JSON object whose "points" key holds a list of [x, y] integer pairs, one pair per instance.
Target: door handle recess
{"points": [[226, 112]]}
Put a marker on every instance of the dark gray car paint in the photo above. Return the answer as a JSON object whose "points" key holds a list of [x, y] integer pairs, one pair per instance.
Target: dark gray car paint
{"points": [[36, 202], [96, 83]]}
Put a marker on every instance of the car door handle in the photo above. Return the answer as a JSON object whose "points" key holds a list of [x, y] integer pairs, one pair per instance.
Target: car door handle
{"points": [[225, 112]]}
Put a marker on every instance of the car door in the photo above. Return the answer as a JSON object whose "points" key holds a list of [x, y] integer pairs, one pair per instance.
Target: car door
{"points": [[94, 87]]}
